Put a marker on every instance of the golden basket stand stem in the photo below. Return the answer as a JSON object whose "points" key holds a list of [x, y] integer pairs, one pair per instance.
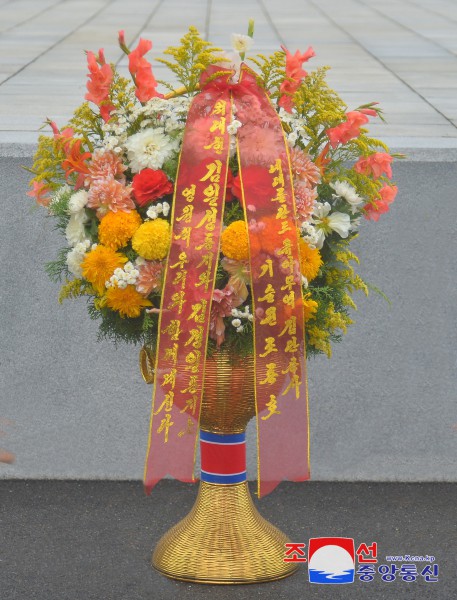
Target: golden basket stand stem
{"points": [[224, 539]]}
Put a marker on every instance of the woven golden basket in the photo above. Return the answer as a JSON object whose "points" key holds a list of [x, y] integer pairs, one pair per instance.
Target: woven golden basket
{"points": [[224, 539]]}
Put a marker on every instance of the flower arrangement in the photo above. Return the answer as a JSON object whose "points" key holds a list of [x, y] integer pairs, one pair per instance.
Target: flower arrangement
{"points": [[108, 179]]}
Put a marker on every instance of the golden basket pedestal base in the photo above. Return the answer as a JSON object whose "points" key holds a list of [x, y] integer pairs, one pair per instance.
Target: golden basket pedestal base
{"points": [[223, 540]]}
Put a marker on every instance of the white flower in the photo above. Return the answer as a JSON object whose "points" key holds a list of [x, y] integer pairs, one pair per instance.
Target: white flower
{"points": [[165, 209], [78, 201], [232, 61], [236, 322], [309, 234], [240, 329], [149, 149], [241, 43], [234, 126], [74, 260], [325, 223], [345, 191], [292, 138], [76, 256], [75, 231]]}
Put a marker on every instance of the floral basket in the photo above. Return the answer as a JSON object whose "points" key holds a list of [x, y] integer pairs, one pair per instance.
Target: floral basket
{"points": [[212, 225]]}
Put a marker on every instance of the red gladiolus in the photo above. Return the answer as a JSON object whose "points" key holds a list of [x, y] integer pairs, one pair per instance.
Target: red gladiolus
{"points": [[141, 71], [348, 130], [294, 75], [39, 191], [149, 185], [100, 78], [374, 210], [376, 164]]}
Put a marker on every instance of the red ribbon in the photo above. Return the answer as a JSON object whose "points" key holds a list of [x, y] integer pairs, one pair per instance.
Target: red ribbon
{"points": [[281, 396]]}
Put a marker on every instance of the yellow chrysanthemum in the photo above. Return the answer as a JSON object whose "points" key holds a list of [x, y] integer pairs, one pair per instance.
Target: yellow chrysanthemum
{"points": [[309, 307], [234, 241], [152, 239], [99, 265], [117, 228], [310, 260], [126, 301]]}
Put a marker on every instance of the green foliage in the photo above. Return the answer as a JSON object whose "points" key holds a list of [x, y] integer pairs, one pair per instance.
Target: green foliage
{"points": [[59, 204], [56, 269], [190, 59]]}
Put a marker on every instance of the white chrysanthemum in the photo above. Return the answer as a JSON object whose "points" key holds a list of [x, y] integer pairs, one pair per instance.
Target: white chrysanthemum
{"points": [[236, 322], [326, 222], [234, 126], [149, 149], [78, 201], [123, 277], [345, 191], [76, 256], [309, 234], [158, 208], [241, 43], [75, 231]]}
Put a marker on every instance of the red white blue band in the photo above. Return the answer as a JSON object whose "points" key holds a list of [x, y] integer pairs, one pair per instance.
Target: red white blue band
{"points": [[223, 457]]}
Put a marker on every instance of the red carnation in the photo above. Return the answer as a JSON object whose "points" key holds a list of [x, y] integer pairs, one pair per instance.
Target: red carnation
{"points": [[150, 185]]}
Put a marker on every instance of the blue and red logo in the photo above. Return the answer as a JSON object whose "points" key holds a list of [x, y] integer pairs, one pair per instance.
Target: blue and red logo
{"points": [[331, 560]]}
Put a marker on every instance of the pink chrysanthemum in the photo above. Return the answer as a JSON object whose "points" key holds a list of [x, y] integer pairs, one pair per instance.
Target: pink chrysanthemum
{"points": [[303, 167], [259, 145], [109, 194], [305, 200], [106, 164], [150, 277]]}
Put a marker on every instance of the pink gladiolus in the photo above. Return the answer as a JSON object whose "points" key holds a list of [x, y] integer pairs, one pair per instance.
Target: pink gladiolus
{"points": [[141, 71], [380, 206], [376, 164], [100, 79], [39, 191], [348, 130], [294, 75]]}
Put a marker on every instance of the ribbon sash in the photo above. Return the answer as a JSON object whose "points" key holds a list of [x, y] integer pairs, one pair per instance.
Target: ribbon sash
{"points": [[268, 200]]}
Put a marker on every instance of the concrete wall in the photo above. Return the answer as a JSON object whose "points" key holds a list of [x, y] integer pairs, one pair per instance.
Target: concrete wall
{"points": [[384, 407]]}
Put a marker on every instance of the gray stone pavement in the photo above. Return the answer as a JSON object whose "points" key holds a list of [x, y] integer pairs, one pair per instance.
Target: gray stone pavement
{"points": [[402, 54], [93, 540]]}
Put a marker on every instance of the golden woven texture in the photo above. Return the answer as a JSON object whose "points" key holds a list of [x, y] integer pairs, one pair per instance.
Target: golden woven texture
{"points": [[228, 393], [224, 539]]}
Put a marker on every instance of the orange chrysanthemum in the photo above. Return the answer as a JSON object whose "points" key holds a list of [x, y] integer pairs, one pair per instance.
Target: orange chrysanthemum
{"points": [[310, 260], [267, 237], [99, 265], [117, 228], [234, 241], [126, 301]]}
